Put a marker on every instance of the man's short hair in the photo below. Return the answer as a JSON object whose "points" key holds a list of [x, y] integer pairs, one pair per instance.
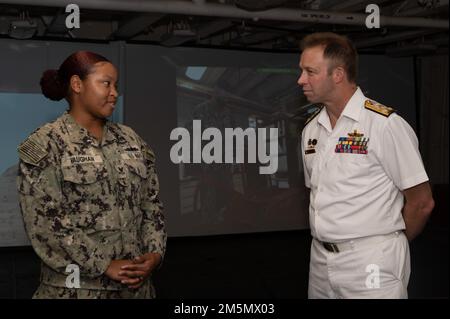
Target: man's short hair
{"points": [[337, 48]]}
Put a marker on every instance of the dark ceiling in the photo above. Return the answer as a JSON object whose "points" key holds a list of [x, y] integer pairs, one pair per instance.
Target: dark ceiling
{"points": [[408, 27]]}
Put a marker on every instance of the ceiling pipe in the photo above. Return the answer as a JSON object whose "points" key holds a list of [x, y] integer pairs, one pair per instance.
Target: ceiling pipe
{"points": [[392, 38], [440, 6], [228, 11], [132, 27]]}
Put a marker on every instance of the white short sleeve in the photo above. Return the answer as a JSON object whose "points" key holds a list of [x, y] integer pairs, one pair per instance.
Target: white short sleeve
{"points": [[400, 154]]}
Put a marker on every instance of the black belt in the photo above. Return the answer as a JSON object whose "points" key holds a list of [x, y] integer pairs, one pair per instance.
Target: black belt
{"points": [[331, 247], [358, 242]]}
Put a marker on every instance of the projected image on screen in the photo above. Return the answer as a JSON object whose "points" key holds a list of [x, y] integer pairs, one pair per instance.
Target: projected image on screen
{"points": [[235, 196]]}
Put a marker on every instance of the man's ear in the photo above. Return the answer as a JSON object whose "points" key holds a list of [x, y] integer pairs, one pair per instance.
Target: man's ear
{"points": [[338, 74], [76, 84]]}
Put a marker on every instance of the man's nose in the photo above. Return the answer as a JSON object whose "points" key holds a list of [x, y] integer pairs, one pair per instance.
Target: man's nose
{"points": [[302, 79]]}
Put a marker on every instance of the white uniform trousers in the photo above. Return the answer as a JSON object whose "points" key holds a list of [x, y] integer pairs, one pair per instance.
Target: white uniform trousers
{"points": [[373, 267]]}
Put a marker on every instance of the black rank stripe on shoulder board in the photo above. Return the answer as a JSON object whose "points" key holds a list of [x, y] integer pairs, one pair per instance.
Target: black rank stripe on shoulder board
{"points": [[31, 152], [314, 115], [378, 108]]}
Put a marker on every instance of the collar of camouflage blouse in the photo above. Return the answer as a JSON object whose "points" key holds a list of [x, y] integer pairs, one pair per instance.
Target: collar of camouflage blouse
{"points": [[80, 135]]}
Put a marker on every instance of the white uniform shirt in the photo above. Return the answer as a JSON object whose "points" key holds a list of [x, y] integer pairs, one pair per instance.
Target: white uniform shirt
{"points": [[356, 194]]}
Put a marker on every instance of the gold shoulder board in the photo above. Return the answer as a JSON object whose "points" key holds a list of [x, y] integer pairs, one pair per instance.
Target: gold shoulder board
{"points": [[378, 108]]}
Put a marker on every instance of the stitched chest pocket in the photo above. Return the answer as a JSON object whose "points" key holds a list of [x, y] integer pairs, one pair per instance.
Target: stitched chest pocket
{"points": [[352, 159], [355, 166], [84, 173], [85, 187], [135, 177], [137, 169]]}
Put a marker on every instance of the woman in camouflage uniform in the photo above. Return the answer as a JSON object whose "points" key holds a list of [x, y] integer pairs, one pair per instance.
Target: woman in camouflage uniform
{"points": [[89, 191]]}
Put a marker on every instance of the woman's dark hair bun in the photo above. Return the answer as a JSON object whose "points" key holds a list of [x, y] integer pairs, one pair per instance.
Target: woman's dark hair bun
{"points": [[51, 86], [55, 84]]}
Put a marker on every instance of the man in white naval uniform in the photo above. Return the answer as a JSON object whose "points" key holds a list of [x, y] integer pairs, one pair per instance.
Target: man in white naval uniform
{"points": [[369, 192]]}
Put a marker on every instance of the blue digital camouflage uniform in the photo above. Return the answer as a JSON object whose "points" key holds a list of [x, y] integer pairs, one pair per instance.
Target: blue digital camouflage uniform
{"points": [[87, 203]]}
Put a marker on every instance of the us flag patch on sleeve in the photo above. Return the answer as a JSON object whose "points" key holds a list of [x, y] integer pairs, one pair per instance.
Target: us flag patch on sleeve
{"points": [[32, 152]]}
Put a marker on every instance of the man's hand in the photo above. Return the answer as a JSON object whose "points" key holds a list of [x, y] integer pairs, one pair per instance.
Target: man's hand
{"points": [[139, 270]]}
